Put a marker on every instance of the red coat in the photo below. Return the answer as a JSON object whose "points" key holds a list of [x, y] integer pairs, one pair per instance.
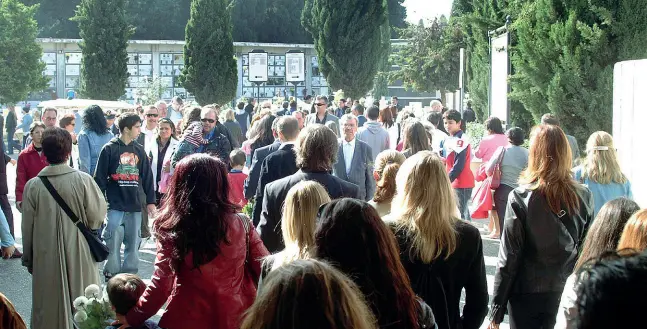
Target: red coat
{"points": [[214, 296], [29, 165], [483, 201], [236, 186]]}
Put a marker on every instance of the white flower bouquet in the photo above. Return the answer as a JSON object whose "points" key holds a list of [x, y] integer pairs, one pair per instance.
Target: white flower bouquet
{"points": [[93, 311]]}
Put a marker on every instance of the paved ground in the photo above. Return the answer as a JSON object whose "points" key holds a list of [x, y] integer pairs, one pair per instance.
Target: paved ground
{"points": [[15, 282]]}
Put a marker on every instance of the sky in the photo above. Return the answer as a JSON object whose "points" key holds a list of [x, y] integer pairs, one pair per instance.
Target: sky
{"points": [[426, 9]]}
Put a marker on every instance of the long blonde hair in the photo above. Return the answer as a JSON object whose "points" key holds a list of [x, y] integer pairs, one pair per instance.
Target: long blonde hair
{"points": [[601, 163], [298, 224], [549, 168], [425, 206], [304, 291]]}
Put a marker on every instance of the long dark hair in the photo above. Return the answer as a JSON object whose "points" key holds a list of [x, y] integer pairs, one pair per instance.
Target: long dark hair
{"points": [[265, 136], [194, 216], [94, 120], [352, 237], [606, 229], [416, 138]]}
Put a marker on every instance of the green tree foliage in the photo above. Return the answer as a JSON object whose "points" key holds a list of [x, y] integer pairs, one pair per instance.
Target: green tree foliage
{"points": [[397, 17], [476, 19], [348, 41], [209, 65], [564, 64], [21, 68], [430, 59], [105, 33], [53, 18], [269, 21], [157, 19]]}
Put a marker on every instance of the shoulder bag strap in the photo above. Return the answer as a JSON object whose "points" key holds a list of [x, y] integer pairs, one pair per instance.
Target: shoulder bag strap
{"points": [[77, 222], [501, 155], [247, 227]]}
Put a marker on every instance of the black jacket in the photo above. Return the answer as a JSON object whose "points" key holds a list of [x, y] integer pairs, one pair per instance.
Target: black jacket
{"points": [[269, 227], [120, 170], [251, 183], [441, 282], [249, 108], [4, 189], [12, 122], [277, 165], [538, 247]]}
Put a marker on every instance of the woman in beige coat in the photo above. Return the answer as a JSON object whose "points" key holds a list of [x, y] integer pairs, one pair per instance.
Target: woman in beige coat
{"points": [[55, 252]]}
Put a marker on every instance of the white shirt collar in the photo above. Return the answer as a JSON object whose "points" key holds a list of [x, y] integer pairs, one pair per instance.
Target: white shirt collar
{"points": [[352, 143]]}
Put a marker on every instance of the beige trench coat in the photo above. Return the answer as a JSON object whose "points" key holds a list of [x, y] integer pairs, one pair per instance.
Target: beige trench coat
{"points": [[55, 248]]}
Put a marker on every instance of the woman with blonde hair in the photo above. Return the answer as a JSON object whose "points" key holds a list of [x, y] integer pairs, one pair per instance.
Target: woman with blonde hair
{"points": [[234, 127], [387, 164], [441, 253], [298, 224], [545, 222], [634, 235], [600, 171], [309, 294]]}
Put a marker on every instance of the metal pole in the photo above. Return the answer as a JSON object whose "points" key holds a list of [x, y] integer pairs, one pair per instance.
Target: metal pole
{"points": [[461, 87]]}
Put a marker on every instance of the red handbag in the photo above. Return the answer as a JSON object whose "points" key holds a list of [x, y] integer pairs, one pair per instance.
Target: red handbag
{"points": [[495, 179]]}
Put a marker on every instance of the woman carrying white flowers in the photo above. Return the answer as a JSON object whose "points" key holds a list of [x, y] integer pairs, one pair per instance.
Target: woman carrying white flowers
{"points": [[55, 251]]}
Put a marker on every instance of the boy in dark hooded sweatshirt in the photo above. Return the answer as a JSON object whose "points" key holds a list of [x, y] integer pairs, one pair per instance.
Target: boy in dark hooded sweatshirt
{"points": [[122, 166]]}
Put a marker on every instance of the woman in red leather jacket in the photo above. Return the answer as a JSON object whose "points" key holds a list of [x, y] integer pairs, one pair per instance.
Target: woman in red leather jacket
{"points": [[208, 260]]}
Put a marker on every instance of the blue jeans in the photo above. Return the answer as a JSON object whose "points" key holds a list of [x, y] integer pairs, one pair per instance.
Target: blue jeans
{"points": [[6, 240], [11, 143], [464, 195], [130, 224]]}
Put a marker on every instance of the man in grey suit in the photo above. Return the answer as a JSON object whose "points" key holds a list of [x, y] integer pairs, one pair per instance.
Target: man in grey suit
{"points": [[321, 116], [355, 159]]}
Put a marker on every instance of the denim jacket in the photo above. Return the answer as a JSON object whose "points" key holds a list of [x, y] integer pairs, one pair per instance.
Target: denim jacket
{"points": [[90, 145]]}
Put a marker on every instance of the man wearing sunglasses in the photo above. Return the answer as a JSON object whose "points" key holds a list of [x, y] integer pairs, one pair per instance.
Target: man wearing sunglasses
{"points": [[219, 137], [321, 115], [149, 131]]}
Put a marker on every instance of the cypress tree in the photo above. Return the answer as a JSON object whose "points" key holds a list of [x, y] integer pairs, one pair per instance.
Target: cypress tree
{"points": [[21, 68], [397, 17], [564, 64], [348, 41], [209, 65], [105, 32]]}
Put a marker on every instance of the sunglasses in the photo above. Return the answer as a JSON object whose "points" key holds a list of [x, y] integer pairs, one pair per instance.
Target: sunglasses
{"points": [[152, 115], [320, 104], [208, 120]]}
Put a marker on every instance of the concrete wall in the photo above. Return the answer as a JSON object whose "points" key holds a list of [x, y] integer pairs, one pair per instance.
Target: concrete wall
{"points": [[629, 117]]}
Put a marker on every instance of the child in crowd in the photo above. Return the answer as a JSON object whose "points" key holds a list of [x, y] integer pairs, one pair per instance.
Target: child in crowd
{"points": [[124, 291], [457, 151], [193, 129], [237, 177]]}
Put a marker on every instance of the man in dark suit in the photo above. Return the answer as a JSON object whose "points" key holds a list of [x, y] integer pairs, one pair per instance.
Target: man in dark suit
{"points": [[281, 163], [355, 159], [316, 152], [251, 183]]}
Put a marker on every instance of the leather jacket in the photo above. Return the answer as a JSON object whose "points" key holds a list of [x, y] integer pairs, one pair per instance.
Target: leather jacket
{"points": [[538, 247]]}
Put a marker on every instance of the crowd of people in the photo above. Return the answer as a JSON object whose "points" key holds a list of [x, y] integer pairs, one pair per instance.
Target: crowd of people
{"points": [[358, 217]]}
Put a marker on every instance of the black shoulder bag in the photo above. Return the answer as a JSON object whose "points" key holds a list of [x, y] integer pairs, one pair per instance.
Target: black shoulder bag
{"points": [[98, 249]]}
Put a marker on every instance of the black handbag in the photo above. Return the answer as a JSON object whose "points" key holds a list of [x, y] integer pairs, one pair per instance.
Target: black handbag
{"points": [[98, 249]]}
